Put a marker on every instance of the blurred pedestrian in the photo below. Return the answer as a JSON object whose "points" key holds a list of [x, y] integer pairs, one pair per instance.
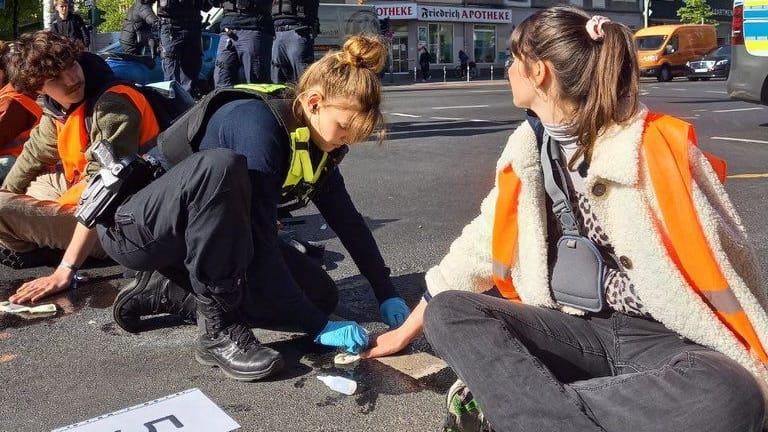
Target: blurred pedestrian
{"points": [[424, 61], [71, 24]]}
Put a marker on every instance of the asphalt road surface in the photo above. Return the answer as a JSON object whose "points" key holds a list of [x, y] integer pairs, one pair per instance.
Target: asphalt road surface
{"points": [[417, 191]]}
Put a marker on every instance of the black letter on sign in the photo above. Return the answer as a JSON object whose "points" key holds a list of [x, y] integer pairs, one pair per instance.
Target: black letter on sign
{"points": [[171, 418]]}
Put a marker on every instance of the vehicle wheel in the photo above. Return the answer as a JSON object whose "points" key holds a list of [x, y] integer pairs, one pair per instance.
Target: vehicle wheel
{"points": [[665, 74], [705, 79], [692, 79]]}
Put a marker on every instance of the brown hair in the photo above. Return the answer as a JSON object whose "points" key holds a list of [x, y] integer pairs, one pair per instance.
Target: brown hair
{"points": [[352, 73], [4, 48], [40, 56], [601, 77], [61, 2]]}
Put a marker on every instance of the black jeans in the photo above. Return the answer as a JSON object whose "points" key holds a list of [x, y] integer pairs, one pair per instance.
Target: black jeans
{"points": [[535, 369], [194, 220]]}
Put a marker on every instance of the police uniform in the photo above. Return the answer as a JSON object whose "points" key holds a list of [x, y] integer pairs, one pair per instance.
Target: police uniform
{"points": [[180, 39], [296, 24], [138, 27], [245, 44]]}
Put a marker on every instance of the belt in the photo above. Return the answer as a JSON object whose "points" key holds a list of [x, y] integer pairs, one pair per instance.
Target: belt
{"points": [[290, 27]]}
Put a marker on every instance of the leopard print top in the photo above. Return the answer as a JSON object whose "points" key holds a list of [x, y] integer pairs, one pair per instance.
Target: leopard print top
{"points": [[620, 293]]}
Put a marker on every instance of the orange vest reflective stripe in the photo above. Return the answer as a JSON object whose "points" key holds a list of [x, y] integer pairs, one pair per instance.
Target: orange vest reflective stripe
{"points": [[665, 146], [73, 140], [14, 147]]}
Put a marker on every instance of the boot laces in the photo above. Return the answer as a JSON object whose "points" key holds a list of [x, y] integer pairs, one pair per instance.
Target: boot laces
{"points": [[242, 336]]}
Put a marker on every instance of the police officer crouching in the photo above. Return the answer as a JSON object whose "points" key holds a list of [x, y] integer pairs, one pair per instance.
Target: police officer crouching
{"points": [[180, 39], [296, 25], [246, 42]]}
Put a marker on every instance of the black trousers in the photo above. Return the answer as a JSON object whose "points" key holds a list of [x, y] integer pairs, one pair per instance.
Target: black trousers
{"points": [[193, 225], [195, 219]]}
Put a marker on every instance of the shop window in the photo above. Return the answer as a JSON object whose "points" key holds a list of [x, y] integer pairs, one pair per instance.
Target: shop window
{"points": [[485, 43], [438, 38]]}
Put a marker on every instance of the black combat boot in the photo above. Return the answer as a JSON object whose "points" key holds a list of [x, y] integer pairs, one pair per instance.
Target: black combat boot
{"points": [[232, 347], [151, 293]]}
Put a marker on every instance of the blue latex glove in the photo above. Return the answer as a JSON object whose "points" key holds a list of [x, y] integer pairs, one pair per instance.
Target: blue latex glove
{"points": [[394, 311], [344, 334]]}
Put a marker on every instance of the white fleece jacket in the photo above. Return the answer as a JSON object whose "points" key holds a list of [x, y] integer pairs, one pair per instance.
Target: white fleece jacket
{"points": [[629, 213]]}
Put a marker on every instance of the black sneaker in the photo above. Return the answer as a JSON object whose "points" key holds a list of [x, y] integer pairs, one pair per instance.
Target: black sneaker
{"points": [[464, 414], [237, 352], [35, 258], [150, 293]]}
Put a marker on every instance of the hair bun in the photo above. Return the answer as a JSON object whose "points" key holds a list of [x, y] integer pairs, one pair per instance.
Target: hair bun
{"points": [[365, 51]]}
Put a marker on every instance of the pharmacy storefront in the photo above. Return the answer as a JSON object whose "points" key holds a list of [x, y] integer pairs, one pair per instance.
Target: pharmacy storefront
{"points": [[445, 30]]}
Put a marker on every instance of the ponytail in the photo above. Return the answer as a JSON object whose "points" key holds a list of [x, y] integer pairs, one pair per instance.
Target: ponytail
{"points": [[615, 89]]}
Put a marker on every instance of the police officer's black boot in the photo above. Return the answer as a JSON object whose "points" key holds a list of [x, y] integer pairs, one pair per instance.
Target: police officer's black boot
{"points": [[232, 347], [151, 293]]}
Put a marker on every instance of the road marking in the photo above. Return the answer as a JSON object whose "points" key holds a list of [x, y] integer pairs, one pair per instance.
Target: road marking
{"points": [[716, 91], [747, 176], [460, 107], [699, 110], [446, 118], [690, 117], [677, 89], [405, 115], [737, 109], [740, 140]]}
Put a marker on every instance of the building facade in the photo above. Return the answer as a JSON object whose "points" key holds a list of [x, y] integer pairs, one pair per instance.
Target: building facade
{"points": [[481, 29]]}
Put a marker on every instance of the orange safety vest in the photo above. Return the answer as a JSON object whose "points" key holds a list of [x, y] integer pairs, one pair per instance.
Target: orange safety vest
{"points": [[14, 147], [665, 146], [74, 140]]}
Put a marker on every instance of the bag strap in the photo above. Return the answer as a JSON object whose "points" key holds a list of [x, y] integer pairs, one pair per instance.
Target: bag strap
{"points": [[551, 165]]}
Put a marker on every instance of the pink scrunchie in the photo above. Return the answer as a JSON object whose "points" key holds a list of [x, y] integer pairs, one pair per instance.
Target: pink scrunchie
{"points": [[595, 27]]}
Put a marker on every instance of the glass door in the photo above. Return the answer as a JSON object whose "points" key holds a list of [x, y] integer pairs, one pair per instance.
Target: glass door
{"points": [[400, 53]]}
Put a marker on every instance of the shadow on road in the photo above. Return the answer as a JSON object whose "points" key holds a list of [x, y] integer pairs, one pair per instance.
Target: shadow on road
{"points": [[450, 128]]}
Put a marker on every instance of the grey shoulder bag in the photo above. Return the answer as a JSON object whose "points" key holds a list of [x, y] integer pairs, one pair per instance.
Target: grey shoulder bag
{"points": [[577, 278]]}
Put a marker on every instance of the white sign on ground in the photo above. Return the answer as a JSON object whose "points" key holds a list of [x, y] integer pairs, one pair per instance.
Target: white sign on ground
{"points": [[187, 411]]}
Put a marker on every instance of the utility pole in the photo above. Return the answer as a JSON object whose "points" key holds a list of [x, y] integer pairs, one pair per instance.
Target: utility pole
{"points": [[646, 12]]}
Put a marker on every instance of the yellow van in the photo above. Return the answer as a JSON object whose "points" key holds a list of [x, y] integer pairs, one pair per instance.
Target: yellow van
{"points": [[663, 50]]}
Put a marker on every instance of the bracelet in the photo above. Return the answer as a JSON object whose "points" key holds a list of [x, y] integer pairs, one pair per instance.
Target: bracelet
{"points": [[69, 265]]}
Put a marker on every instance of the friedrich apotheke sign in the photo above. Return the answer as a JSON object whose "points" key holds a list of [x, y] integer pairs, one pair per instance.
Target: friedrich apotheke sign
{"points": [[404, 11]]}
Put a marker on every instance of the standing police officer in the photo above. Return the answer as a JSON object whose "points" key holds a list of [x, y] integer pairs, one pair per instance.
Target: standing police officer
{"points": [[296, 25], [139, 29], [246, 42], [180, 39]]}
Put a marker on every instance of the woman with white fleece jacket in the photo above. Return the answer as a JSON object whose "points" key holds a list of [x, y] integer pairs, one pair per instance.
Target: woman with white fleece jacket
{"points": [[681, 342]]}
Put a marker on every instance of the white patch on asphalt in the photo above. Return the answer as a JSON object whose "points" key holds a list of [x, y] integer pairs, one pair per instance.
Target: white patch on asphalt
{"points": [[699, 110], [460, 107], [716, 91], [740, 140], [676, 89], [446, 118], [405, 115], [737, 109], [187, 410]]}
